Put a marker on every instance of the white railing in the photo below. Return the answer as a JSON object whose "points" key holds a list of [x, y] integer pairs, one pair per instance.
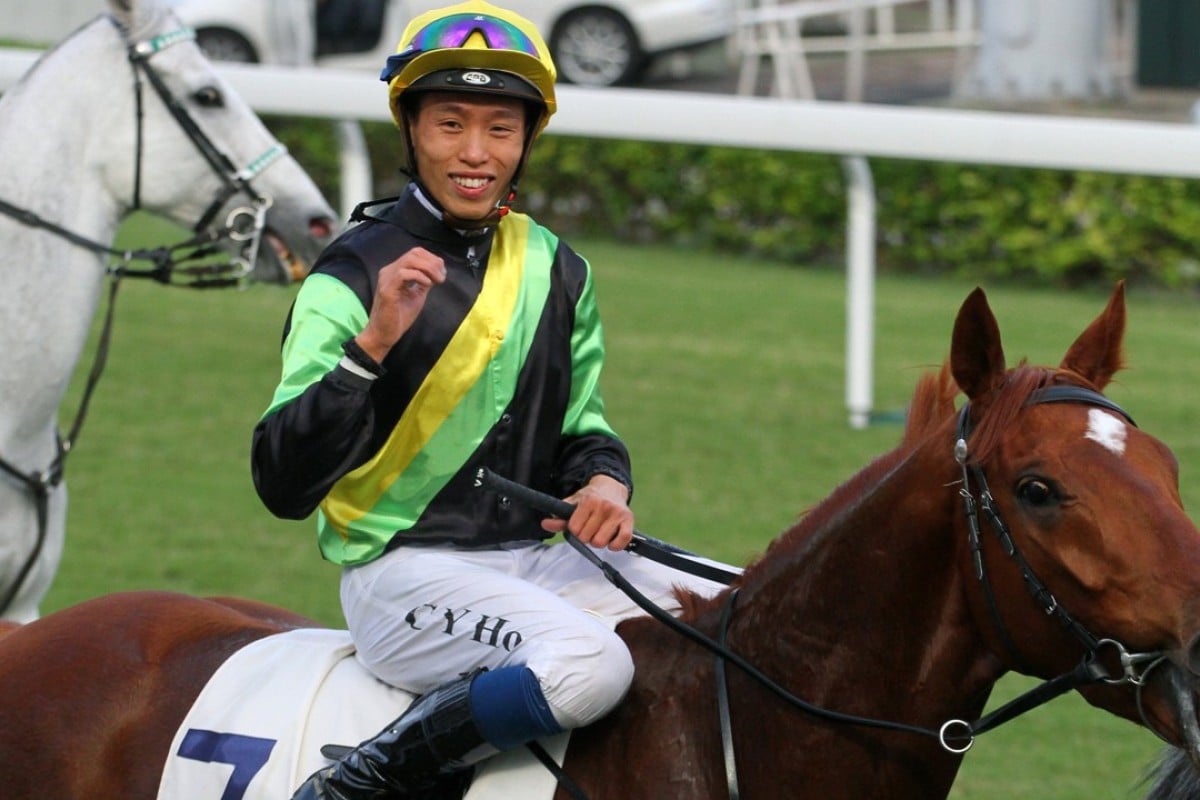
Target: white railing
{"points": [[844, 129]]}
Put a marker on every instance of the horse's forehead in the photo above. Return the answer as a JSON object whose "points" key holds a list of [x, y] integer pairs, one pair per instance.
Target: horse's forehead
{"points": [[185, 61], [1080, 433]]}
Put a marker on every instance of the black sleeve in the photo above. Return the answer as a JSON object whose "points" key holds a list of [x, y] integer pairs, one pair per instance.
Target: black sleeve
{"points": [[299, 451]]}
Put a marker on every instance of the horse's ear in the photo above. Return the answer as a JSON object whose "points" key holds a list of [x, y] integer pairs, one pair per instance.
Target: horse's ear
{"points": [[135, 15], [976, 356], [123, 10], [1097, 354]]}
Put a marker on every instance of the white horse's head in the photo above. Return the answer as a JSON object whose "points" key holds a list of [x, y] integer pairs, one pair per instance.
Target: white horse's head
{"points": [[198, 154]]}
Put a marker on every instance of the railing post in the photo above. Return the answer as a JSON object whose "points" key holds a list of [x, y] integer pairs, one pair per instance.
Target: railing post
{"points": [[860, 289], [355, 163]]}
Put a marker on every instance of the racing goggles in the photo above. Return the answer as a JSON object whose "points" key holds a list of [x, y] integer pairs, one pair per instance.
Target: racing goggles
{"points": [[454, 31]]}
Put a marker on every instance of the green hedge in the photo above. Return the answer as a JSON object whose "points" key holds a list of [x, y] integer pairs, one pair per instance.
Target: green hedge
{"points": [[1041, 226]]}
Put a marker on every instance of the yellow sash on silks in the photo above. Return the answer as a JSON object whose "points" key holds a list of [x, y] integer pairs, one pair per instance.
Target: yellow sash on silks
{"points": [[460, 399]]}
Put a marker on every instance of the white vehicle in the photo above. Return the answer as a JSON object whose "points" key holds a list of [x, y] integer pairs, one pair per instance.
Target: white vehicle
{"points": [[594, 42]]}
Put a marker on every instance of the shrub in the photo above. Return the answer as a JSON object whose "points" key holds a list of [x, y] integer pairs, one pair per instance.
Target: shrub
{"points": [[1030, 225]]}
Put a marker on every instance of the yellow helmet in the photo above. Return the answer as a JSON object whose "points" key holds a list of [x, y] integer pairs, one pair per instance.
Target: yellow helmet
{"points": [[472, 47]]}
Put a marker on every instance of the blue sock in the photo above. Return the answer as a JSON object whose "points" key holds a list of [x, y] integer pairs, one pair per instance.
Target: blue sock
{"points": [[509, 707]]}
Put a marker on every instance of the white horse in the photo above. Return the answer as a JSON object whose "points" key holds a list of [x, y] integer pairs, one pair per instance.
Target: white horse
{"points": [[126, 113]]}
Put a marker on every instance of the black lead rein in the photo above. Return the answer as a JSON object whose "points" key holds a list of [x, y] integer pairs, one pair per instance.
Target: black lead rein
{"points": [[559, 508]]}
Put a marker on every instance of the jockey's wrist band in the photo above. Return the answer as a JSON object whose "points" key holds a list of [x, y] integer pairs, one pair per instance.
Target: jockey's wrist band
{"points": [[616, 474], [361, 359], [350, 366]]}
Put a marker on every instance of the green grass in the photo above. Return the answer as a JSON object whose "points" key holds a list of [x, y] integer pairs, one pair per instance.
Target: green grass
{"points": [[725, 377]]}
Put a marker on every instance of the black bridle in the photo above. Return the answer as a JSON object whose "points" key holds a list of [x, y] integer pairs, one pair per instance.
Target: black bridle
{"points": [[245, 224], [1131, 663], [955, 736]]}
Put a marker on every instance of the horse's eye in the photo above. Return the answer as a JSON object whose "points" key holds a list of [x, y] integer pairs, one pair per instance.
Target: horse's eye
{"points": [[209, 97], [1036, 492]]}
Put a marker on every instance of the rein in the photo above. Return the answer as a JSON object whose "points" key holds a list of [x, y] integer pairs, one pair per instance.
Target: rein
{"points": [[245, 224], [956, 736]]}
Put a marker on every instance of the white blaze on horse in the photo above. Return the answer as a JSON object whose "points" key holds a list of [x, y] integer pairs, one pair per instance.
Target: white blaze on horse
{"points": [[125, 114]]}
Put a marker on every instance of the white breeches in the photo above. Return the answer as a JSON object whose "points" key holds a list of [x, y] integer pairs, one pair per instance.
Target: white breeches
{"points": [[423, 615]]}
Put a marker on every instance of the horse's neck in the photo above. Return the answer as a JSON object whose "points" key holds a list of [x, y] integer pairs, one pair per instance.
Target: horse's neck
{"points": [[867, 614], [864, 614], [58, 129], [59, 132], [877, 578]]}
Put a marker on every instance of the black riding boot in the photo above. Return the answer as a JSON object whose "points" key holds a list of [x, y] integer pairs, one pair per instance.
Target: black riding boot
{"points": [[427, 748]]}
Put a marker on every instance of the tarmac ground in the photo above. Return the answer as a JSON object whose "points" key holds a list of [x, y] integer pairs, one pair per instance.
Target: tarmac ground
{"points": [[914, 77]]}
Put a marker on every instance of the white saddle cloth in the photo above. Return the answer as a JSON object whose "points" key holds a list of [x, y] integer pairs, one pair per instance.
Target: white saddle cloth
{"points": [[256, 730]]}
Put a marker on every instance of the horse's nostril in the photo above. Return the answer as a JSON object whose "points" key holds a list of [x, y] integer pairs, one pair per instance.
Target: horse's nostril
{"points": [[320, 227]]}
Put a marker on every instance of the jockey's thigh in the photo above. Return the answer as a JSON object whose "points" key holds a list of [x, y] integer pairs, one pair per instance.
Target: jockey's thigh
{"points": [[423, 615]]}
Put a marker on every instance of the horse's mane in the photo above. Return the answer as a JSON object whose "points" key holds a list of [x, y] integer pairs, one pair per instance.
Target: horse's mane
{"points": [[932, 402], [1000, 412]]}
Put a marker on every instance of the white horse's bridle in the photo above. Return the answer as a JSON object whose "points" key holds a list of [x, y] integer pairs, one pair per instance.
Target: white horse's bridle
{"points": [[245, 224]]}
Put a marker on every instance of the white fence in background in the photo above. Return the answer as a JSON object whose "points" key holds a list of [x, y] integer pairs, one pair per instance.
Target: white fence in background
{"points": [[1121, 146]]}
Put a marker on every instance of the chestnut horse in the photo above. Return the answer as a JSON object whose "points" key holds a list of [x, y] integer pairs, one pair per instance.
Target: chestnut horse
{"points": [[1036, 529]]}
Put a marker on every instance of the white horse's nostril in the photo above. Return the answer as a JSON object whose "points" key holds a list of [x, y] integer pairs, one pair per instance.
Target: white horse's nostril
{"points": [[320, 227]]}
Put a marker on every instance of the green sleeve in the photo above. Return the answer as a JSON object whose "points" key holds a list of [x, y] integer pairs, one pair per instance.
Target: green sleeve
{"points": [[585, 413], [326, 313]]}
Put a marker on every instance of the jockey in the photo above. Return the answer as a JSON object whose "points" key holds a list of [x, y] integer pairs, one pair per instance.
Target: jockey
{"points": [[441, 335]]}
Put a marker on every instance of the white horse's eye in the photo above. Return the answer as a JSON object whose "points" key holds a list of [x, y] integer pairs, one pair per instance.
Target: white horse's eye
{"points": [[209, 97]]}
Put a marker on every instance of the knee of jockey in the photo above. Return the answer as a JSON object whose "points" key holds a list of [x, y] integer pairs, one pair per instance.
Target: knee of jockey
{"points": [[582, 688]]}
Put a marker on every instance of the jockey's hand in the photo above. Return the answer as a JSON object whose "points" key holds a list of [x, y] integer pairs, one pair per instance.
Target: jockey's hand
{"points": [[400, 296], [602, 517]]}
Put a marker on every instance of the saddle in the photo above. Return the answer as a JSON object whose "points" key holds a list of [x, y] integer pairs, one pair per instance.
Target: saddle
{"points": [[257, 729]]}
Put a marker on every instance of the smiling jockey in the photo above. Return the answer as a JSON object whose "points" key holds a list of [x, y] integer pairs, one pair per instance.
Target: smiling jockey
{"points": [[441, 335]]}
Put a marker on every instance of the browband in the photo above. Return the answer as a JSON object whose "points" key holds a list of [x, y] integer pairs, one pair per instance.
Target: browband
{"points": [[1076, 394]]}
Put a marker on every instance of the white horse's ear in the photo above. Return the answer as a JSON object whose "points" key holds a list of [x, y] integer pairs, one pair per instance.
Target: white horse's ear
{"points": [[123, 10], [135, 15]]}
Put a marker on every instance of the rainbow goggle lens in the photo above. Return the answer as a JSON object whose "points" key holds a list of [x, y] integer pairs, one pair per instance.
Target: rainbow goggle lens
{"points": [[454, 31]]}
